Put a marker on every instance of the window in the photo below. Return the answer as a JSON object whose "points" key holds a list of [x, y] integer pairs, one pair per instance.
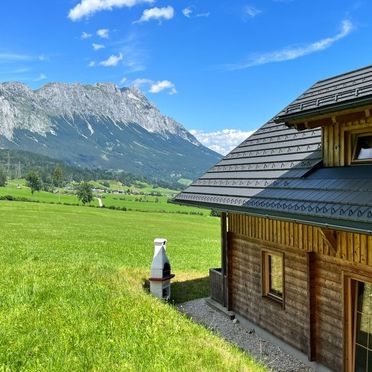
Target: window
{"points": [[363, 328], [358, 324], [272, 276], [362, 148]]}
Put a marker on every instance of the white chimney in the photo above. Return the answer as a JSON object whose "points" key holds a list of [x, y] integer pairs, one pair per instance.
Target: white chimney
{"points": [[160, 271]]}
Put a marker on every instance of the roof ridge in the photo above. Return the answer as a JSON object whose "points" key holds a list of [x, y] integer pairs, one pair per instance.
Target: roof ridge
{"points": [[343, 74]]}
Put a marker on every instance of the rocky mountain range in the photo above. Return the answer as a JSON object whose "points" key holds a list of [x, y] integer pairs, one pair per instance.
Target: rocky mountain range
{"points": [[99, 126]]}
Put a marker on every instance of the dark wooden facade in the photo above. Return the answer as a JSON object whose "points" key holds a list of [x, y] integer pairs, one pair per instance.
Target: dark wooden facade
{"points": [[312, 317], [298, 192]]}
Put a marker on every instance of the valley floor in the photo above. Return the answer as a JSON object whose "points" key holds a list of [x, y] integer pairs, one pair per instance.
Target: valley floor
{"points": [[72, 293]]}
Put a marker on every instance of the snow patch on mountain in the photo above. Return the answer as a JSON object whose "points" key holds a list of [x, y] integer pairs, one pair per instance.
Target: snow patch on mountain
{"points": [[23, 108]]}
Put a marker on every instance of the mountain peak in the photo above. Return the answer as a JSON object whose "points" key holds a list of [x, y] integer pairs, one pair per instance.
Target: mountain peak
{"points": [[15, 87], [97, 125]]}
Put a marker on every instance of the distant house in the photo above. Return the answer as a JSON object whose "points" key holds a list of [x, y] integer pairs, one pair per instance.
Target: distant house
{"points": [[97, 190], [117, 192], [296, 225]]}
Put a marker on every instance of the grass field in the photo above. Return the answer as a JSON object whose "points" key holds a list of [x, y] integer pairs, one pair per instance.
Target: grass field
{"points": [[72, 296], [140, 203], [150, 203], [42, 196]]}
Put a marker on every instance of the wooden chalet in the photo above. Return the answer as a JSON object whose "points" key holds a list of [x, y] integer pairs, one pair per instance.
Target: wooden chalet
{"points": [[296, 223]]}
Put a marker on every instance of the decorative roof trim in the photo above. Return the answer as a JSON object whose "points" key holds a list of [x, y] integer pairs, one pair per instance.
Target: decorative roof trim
{"points": [[349, 226], [288, 119]]}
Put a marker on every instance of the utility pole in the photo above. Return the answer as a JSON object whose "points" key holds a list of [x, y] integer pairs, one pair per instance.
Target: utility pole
{"points": [[19, 169], [8, 167]]}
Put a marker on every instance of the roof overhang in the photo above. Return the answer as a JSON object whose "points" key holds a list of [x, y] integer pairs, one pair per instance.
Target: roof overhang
{"points": [[341, 112], [337, 224]]}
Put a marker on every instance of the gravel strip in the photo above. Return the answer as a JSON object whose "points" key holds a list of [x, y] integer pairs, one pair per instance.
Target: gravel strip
{"points": [[274, 358]]}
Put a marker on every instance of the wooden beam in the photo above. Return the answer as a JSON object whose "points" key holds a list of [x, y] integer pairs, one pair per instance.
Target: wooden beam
{"points": [[330, 237], [224, 260], [317, 121], [223, 242], [311, 344]]}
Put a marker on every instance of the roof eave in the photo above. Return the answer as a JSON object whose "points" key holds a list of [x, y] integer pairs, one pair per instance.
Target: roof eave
{"points": [[329, 109], [344, 225]]}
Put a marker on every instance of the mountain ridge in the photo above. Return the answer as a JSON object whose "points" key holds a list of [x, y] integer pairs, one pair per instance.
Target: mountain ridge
{"points": [[99, 126]]}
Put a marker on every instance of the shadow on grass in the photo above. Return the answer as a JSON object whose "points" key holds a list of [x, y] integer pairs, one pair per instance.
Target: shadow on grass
{"points": [[187, 290]]}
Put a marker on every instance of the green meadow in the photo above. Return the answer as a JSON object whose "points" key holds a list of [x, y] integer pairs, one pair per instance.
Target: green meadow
{"points": [[140, 203], [73, 291]]}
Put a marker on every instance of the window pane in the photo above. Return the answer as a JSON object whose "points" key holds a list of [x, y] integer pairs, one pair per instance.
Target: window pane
{"points": [[363, 339], [360, 359], [365, 298], [367, 303], [364, 148], [362, 330], [276, 275]]}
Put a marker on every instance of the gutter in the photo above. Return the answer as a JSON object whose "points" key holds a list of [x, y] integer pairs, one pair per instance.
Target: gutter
{"points": [[351, 226]]}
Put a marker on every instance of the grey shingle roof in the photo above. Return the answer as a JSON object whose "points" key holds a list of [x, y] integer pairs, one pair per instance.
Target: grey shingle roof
{"points": [[339, 197], [342, 91], [277, 171]]}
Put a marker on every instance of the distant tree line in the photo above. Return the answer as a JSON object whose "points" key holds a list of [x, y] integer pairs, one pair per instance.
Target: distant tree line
{"points": [[18, 164]]}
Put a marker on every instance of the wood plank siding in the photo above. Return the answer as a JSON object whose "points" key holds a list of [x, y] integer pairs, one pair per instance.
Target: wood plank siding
{"points": [[289, 323], [351, 247], [312, 317]]}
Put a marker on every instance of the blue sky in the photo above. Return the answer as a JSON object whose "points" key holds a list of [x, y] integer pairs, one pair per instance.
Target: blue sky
{"points": [[221, 68]]}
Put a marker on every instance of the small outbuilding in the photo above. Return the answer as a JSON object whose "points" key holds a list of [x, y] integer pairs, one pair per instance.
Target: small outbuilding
{"points": [[296, 223]]}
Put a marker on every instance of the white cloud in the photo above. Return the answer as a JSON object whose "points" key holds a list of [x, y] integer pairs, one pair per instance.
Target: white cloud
{"points": [[135, 54], [140, 82], [20, 70], [37, 78], [88, 7], [97, 46], [85, 35], [206, 14], [156, 86], [187, 12], [13, 57], [221, 141], [123, 80], [290, 53], [251, 11], [91, 64], [166, 13], [112, 60], [103, 33], [159, 86], [40, 77]]}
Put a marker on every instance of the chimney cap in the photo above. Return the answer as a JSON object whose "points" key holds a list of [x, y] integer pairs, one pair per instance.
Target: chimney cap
{"points": [[160, 241]]}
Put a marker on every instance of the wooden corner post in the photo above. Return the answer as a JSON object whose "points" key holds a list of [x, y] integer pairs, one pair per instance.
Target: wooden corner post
{"points": [[224, 259]]}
